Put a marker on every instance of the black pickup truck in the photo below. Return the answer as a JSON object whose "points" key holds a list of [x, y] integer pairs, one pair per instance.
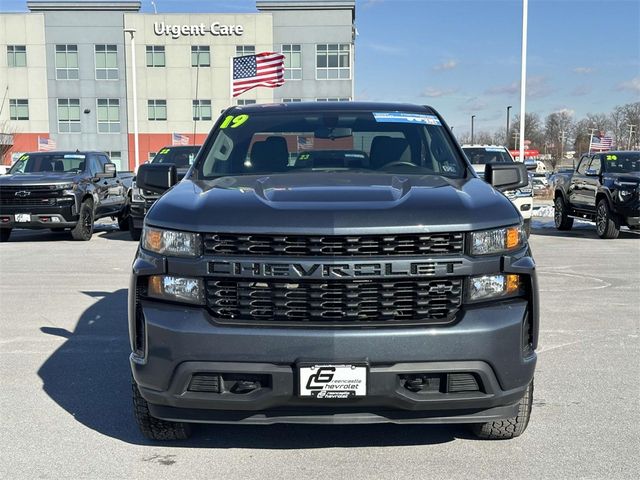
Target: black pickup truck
{"points": [[63, 190], [182, 156], [333, 263], [604, 189]]}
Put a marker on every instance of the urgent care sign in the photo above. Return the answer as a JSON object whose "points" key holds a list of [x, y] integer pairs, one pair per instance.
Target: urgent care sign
{"points": [[216, 29]]}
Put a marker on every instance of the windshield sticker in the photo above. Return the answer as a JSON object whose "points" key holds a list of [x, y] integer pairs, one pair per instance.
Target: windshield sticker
{"points": [[234, 122], [164, 151], [400, 117], [80, 157], [24, 157], [612, 157], [494, 149], [304, 156]]}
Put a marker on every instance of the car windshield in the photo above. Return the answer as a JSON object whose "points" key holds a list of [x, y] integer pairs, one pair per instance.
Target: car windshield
{"points": [[626, 162], [484, 155], [49, 163], [330, 141], [181, 157]]}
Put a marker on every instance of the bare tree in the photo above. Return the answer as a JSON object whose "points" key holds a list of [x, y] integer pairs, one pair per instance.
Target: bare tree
{"points": [[533, 131], [558, 128]]}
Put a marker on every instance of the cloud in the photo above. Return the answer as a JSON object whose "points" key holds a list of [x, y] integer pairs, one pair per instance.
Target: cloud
{"points": [[446, 65], [583, 70], [568, 111], [473, 104], [438, 92], [538, 87], [632, 85], [581, 90], [510, 89]]}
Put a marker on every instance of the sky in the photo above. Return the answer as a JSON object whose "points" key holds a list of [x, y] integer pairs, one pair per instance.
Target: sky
{"points": [[463, 56]]}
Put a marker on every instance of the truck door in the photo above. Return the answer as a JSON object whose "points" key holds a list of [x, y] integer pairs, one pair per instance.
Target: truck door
{"points": [[577, 196], [592, 181], [115, 190], [100, 184]]}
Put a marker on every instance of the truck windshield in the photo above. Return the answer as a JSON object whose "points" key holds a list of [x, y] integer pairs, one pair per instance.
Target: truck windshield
{"points": [[330, 141], [626, 162], [484, 155], [179, 156], [49, 163]]}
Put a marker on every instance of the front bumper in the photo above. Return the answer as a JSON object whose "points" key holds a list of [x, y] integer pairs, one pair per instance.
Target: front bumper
{"points": [[41, 217], [139, 210], [524, 206], [181, 341]]}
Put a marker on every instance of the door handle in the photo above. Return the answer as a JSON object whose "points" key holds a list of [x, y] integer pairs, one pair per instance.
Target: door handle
{"points": [[105, 183]]}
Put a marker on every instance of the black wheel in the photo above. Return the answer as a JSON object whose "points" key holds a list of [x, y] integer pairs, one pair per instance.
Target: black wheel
{"points": [[560, 217], [527, 227], [508, 427], [84, 228], [134, 232], [607, 225], [123, 218], [154, 428], [5, 233]]}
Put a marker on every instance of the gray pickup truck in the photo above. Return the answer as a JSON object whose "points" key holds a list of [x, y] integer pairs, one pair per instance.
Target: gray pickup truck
{"points": [[603, 189], [333, 263], [63, 191]]}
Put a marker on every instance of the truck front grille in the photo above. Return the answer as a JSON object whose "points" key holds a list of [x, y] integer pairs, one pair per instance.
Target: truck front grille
{"points": [[18, 202], [334, 245], [336, 302], [31, 195]]}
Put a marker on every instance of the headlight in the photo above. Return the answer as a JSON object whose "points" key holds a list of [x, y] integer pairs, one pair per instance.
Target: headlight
{"points": [[136, 194], [499, 240], [177, 289], [171, 242], [486, 287]]}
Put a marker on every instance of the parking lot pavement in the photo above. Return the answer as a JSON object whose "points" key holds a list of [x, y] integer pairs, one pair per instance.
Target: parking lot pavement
{"points": [[65, 402]]}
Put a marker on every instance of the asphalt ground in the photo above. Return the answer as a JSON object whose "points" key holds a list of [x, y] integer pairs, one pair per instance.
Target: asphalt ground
{"points": [[65, 409]]}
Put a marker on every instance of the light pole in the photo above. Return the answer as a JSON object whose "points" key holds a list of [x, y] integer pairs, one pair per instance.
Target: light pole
{"points": [[523, 76], [472, 118], [507, 137], [136, 153]]}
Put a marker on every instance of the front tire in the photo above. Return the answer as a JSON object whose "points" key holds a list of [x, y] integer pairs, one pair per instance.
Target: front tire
{"points": [[83, 231], [134, 232], [607, 224], [5, 233], [154, 428], [123, 218], [509, 427], [560, 217]]}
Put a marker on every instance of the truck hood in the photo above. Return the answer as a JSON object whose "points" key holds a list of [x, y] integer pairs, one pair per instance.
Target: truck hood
{"points": [[624, 177], [332, 203], [37, 178]]}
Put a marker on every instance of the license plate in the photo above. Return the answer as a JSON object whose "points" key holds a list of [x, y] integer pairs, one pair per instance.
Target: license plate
{"points": [[23, 217], [327, 381]]}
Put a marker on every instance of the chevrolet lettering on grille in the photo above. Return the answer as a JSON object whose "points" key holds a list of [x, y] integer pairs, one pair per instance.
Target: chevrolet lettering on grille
{"points": [[331, 270]]}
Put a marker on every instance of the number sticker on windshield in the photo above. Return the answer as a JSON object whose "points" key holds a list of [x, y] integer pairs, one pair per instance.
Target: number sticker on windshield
{"points": [[164, 151], [24, 157], [234, 122], [612, 157]]}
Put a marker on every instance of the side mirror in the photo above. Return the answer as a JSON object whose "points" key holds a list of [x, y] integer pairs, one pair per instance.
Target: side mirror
{"points": [[592, 172], [109, 171], [506, 176], [531, 165], [156, 177]]}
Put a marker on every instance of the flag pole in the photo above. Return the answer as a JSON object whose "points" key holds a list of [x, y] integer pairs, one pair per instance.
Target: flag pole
{"points": [[523, 77], [230, 81], [591, 138]]}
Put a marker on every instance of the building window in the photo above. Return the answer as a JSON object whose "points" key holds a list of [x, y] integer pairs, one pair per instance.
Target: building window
{"points": [[16, 55], [335, 99], [246, 101], [292, 62], [106, 62], [68, 115], [155, 56], [202, 109], [291, 100], [242, 50], [200, 56], [157, 109], [108, 115], [18, 109], [67, 62], [332, 61]]}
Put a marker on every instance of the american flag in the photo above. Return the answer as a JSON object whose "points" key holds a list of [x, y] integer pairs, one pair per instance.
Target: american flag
{"points": [[602, 142], [264, 69], [46, 144], [305, 143], [179, 139]]}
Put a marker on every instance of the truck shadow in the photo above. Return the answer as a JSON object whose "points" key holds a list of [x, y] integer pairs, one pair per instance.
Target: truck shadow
{"points": [[89, 377], [108, 230]]}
